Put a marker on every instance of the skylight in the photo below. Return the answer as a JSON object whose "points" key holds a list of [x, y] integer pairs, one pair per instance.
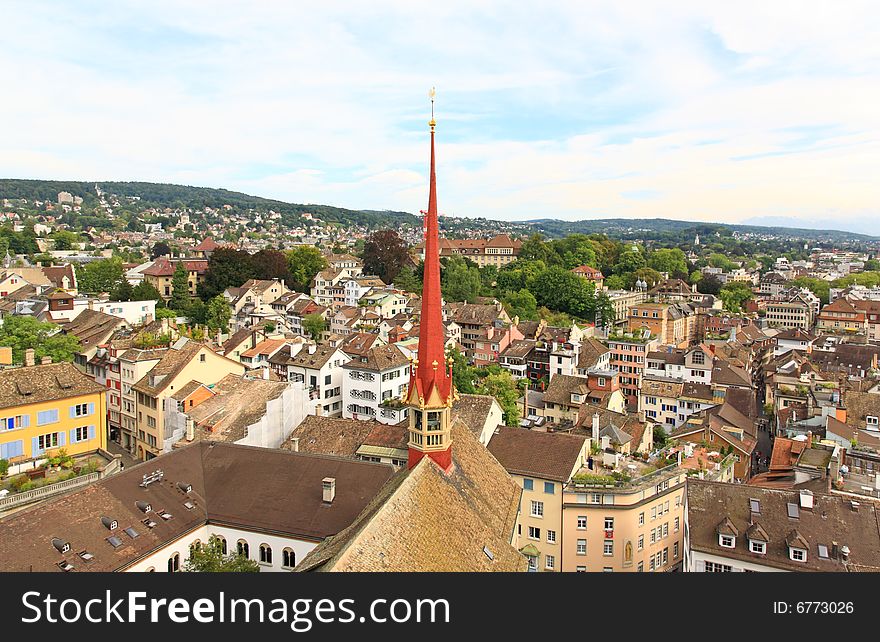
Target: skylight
{"points": [[793, 511], [131, 532], [823, 551], [755, 506], [114, 541]]}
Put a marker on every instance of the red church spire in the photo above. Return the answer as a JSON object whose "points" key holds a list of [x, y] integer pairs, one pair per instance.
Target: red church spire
{"points": [[430, 386], [431, 375]]}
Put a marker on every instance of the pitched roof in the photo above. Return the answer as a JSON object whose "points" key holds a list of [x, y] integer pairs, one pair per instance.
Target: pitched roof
{"points": [[473, 410], [304, 359], [546, 455], [379, 359], [207, 245], [260, 489], [173, 361], [428, 520], [42, 383], [562, 386], [93, 328], [859, 405], [832, 519], [591, 350], [329, 436]]}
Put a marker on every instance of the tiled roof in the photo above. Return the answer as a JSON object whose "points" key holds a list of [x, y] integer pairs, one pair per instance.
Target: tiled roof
{"points": [[260, 489], [591, 351], [93, 328], [330, 435], [545, 455], [429, 520], [473, 410], [379, 359], [42, 383], [832, 519]]}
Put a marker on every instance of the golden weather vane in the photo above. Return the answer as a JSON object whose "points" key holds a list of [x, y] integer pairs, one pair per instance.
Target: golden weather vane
{"points": [[431, 95]]}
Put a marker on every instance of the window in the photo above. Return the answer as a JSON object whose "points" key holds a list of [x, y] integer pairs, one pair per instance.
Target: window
{"points": [[537, 509], [666, 529], [49, 440], [641, 542], [677, 524], [653, 535], [727, 541], [757, 547], [712, 567], [534, 533], [549, 488], [265, 554], [582, 547], [243, 548], [798, 554], [665, 556], [608, 547], [174, 563], [582, 522], [675, 550], [202, 358], [581, 569], [550, 562], [83, 433], [551, 537], [47, 417], [609, 523], [642, 518], [871, 420], [18, 421], [528, 484], [288, 558], [653, 513], [80, 410], [641, 567]]}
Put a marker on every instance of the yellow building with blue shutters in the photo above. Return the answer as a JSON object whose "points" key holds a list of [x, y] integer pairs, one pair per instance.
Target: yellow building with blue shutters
{"points": [[48, 407]]}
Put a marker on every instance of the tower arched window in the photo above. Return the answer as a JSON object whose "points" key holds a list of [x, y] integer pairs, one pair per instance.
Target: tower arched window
{"points": [[174, 563], [243, 549], [265, 554], [288, 558]]}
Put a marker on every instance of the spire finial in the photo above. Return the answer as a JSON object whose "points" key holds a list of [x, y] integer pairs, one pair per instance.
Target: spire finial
{"points": [[431, 94]]}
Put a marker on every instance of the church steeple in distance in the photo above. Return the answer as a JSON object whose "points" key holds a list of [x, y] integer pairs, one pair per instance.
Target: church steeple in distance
{"points": [[430, 393]]}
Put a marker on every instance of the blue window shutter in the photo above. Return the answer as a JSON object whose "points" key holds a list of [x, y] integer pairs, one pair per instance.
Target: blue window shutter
{"points": [[10, 423], [53, 416], [91, 432], [73, 435], [72, 412], [25, 421], [4, 451], [92, 408], [35, 447], [16, 448], [62, 437]]}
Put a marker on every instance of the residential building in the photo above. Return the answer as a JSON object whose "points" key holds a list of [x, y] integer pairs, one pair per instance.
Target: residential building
{"points": [[736, 528], [841, 317], [320, 368], [183, 362], [672, 323], [47, 407], [629, 356], [160, 274], [542, 464], [373, 385], [498, 250], [486, 330]]}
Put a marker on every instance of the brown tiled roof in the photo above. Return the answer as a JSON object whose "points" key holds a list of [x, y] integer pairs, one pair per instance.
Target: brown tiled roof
{"points": [[315, 361], [207, 245], [726, 374], [474, 314], [859, 405], [653, 386], [832, 519], [330, 436], [590, 351], [57, 273], [93, 328], [186, 390], [379, 359], [267, 346], [259, 489], [237, 403], [561, 388], [238, 338], [473, 410], [359, 343], [545, 455], [388, 435], [518, 349], [42, 383], [429, 520]]}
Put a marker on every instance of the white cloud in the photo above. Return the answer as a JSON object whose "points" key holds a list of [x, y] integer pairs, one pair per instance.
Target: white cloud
{"points": [[716, 111]]}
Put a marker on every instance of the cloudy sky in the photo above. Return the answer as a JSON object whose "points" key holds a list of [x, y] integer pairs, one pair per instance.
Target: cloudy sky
{"points": [[764, 111]]}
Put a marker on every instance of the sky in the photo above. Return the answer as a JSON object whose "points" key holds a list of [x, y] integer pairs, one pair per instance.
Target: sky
{"points": [[744, 111]]}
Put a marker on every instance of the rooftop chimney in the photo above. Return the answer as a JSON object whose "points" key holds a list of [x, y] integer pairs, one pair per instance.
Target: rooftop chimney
{"points": [[190, 429], [294, 444], [45, 361], [312, 348], [328, 485], [29, 357]]}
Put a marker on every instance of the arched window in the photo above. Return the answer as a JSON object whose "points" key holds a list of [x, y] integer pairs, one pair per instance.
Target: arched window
{"points": [[288, 558], [174, 563], [195, 546], [152, 569], [243, 549], [222, 544], [265, 554]]}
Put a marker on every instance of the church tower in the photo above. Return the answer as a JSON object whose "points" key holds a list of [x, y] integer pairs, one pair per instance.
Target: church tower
{"points": [[430, 392]]}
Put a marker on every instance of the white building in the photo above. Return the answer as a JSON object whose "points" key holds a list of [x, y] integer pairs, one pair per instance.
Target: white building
{"points": [[373, 382], [320, 368]]}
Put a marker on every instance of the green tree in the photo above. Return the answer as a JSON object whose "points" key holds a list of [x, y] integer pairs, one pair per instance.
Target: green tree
{"points": [[180, 296], [145, 291], [227, 268], [123, 292], [460, 280], [23, 332], [408, 280], [209, 558], [100, 276], [820, 287], [218, 314], [314, 325], [734, 295], [305, 262], [64, 239], [272, 264], [462, 373], [522, 304], [615, 282], [385, 254], [672, 261], [629, 261], [604, 310], [161, 248], [504, 388]]}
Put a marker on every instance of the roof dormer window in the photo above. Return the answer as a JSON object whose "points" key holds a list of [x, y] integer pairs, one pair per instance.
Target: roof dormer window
{"points": [[757, 547], [727, 541], [797, 554]]}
